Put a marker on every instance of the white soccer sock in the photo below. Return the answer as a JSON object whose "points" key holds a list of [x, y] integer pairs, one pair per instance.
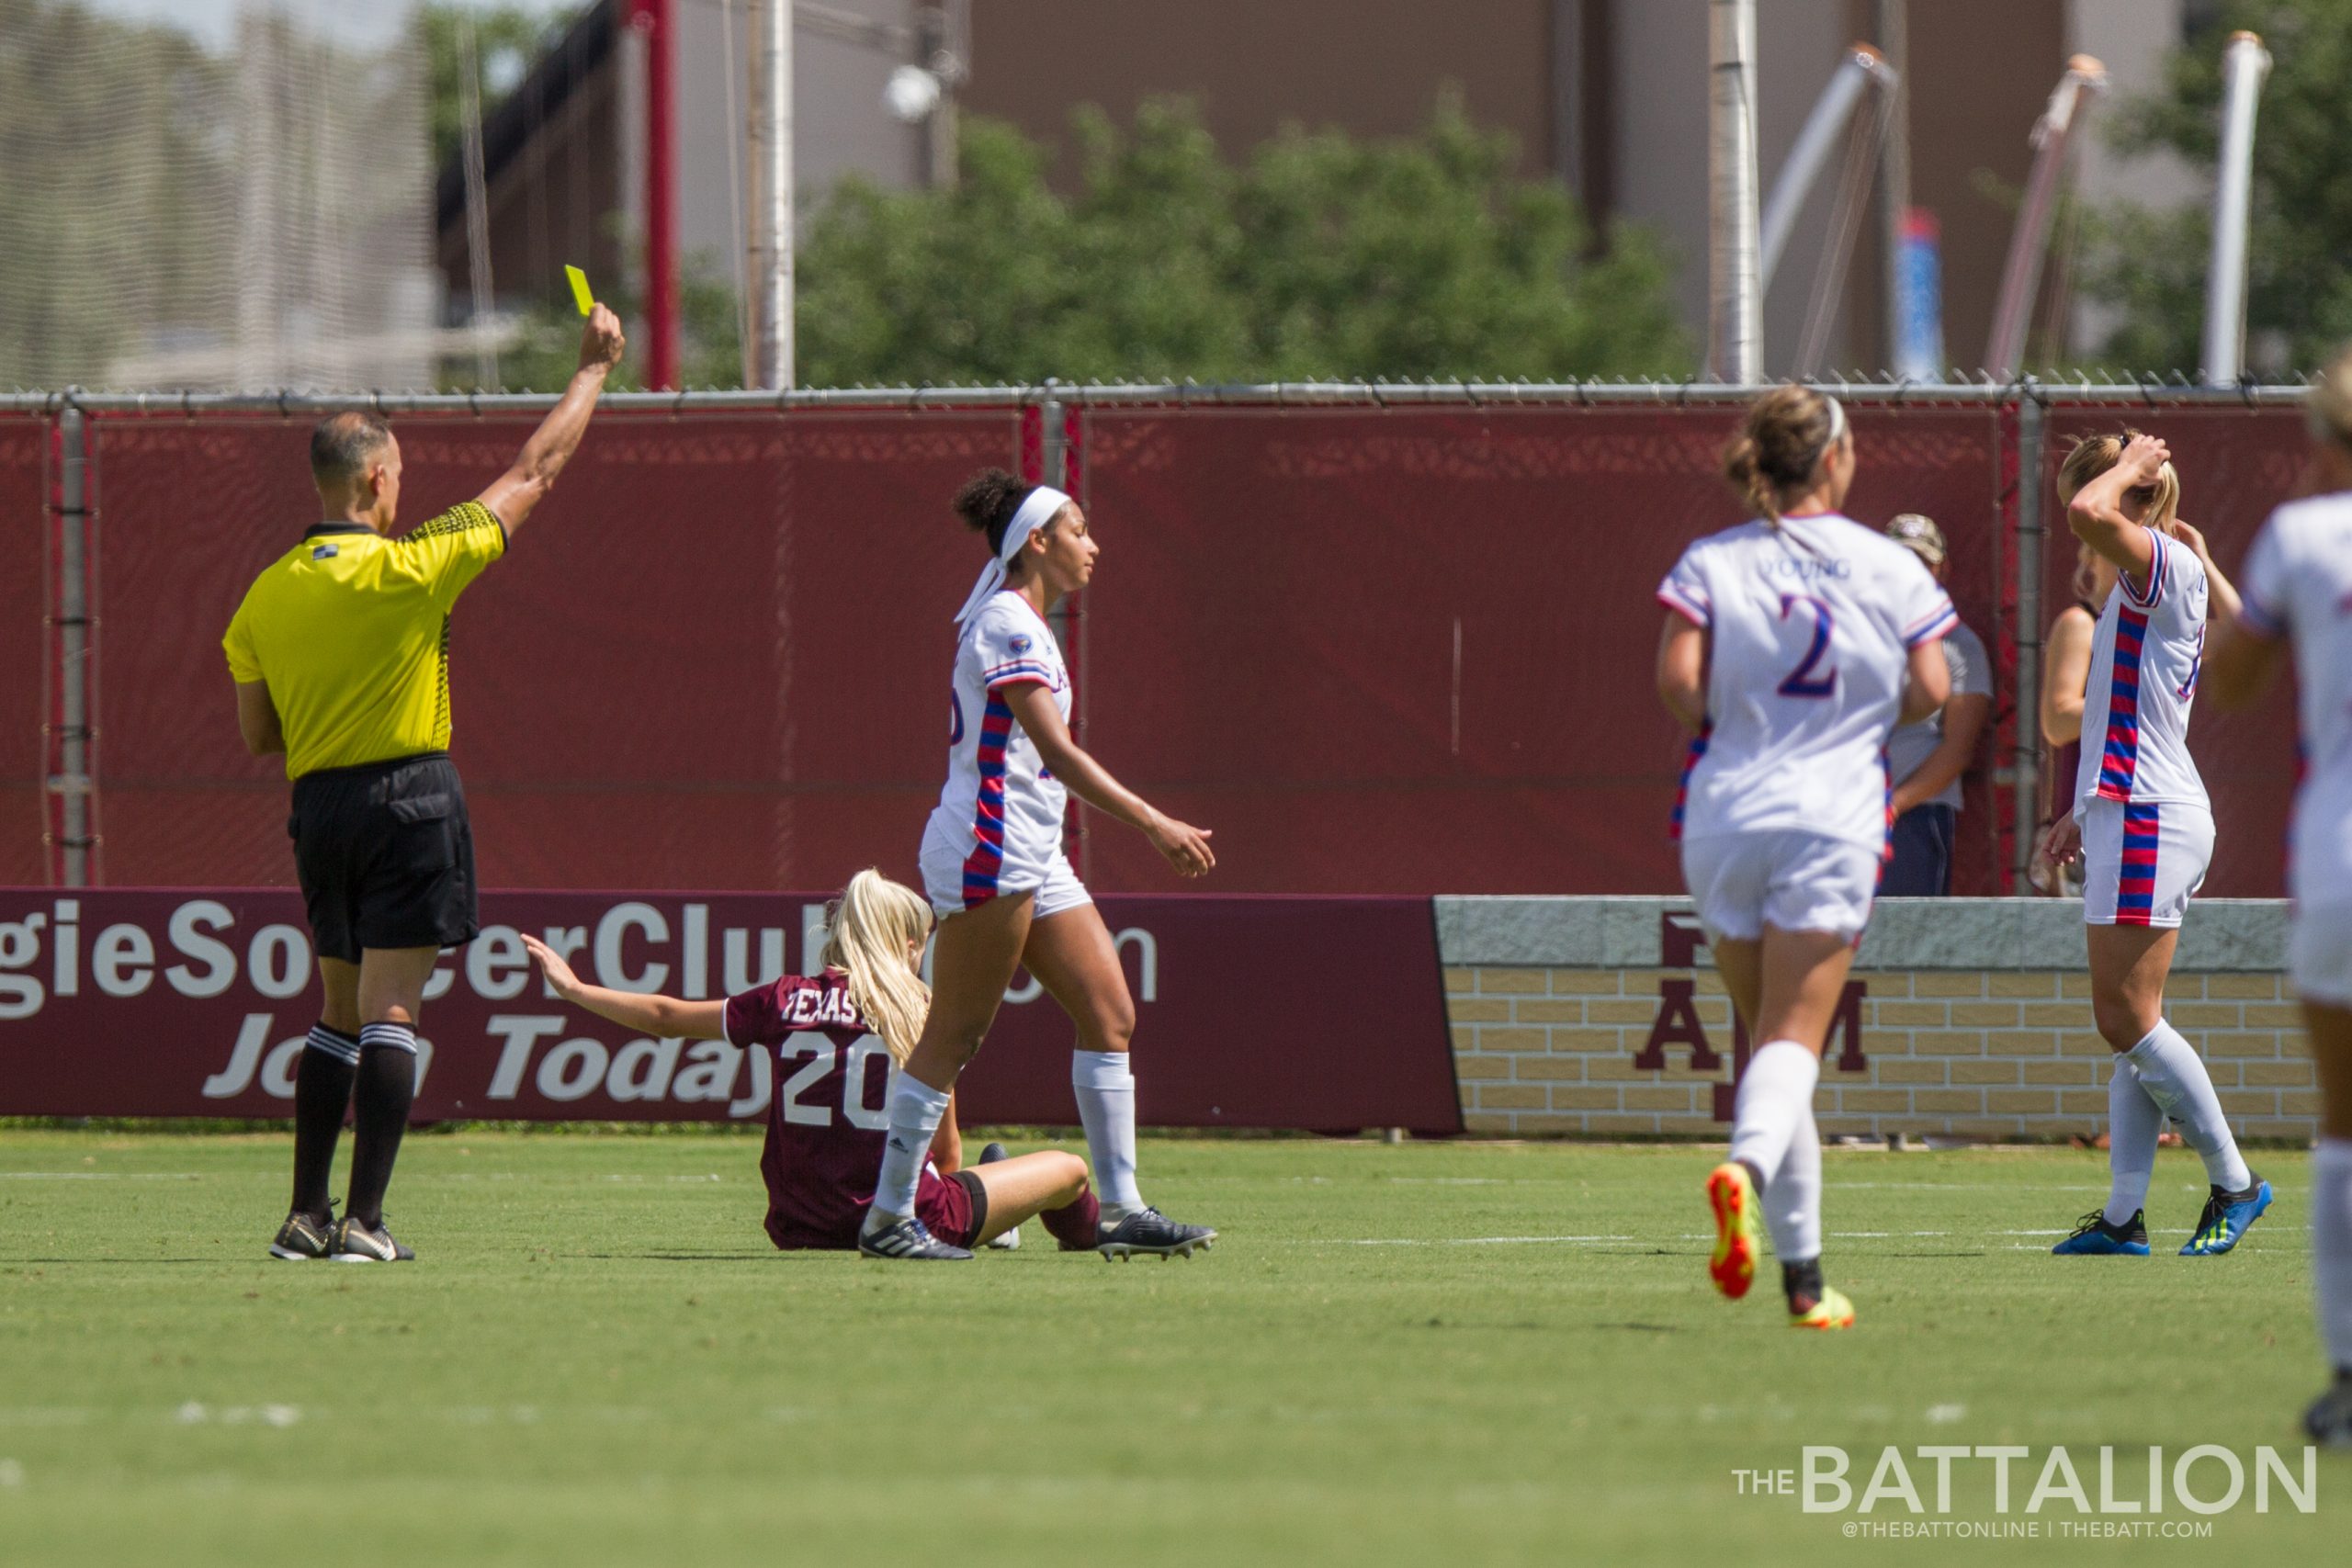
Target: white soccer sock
{"points": [[915, 1110], [1775, 1101], [1105, 1088], [1793, 1202], [2332, 1247], [2133, 1122], [2174, 1076]]}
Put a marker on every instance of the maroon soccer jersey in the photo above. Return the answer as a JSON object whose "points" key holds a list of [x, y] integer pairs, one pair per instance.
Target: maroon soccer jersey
{"points": [[830, 1110]]}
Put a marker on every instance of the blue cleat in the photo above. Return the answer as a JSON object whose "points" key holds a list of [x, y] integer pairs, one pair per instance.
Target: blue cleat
{"points": [[2094, 1237], [2227, 1217]]}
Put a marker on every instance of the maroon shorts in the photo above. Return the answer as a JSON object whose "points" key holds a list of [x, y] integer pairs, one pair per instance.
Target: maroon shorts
{"points": [[952, 1208]]}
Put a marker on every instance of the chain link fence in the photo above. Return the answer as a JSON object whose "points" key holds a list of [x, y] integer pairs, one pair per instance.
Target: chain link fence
{"points": [[1381, 639]]}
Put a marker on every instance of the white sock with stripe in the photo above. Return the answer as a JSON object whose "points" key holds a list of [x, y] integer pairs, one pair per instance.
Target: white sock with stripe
{"points": [[1775, 1100], [1105, 1088], [2133, 1122], [2174, 1076], [1793, 1202], [2332, 1247], [916, 1108]]}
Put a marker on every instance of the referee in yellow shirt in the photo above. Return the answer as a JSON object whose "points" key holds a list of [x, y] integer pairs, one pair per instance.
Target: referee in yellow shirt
{"points": [[341, 654]]}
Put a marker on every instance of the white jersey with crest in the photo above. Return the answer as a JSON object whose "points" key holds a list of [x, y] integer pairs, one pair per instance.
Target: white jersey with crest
{"points": [[1001, 813], [2144, 660], [2299, 584], [1813, 622]]}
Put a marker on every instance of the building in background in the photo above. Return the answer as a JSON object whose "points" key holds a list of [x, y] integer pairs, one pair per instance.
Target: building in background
{"points": [[1610, 96]]}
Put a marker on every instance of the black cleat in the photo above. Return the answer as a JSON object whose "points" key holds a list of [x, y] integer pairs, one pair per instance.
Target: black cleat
{"points": [[301, 1238], [2328, 1422], [357, 1242], [910, 1239], [1150, 1231]]}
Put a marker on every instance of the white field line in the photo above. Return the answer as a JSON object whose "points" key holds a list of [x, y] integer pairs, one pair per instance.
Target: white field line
{"points": [[1684, 1236]]}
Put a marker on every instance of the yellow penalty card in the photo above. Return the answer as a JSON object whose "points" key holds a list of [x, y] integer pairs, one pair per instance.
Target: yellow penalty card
{"points": [[580, 294]]}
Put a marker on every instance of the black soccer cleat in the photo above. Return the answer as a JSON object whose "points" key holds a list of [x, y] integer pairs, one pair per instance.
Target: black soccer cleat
{"points": [[2328, 1422], [1150, 1231], [910, 1240], [992, 1153], [356, 1242], [301, 1238]]}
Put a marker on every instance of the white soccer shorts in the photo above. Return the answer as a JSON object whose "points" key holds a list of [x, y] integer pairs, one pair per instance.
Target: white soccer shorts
{"points": [[1055, 884], [2319, 954], [1798, 882], [2142, 863]]}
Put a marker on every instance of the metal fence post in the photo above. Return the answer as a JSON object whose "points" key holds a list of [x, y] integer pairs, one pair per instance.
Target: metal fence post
{"points": [[2027, 766], [71, 781], [1053, 450]]}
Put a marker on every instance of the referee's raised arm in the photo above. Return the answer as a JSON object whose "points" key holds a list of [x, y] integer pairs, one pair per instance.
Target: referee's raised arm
{"points": [[512, 496]]}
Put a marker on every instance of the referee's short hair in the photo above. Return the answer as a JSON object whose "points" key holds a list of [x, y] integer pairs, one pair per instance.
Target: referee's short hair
{"points": [[343, 444]]}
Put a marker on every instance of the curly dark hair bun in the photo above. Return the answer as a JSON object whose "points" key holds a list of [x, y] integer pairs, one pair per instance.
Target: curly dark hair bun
{"points": [[988, 501]]}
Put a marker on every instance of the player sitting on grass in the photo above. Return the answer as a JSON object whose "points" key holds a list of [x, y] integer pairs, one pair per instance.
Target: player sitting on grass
{"points": [[838, 1038]]}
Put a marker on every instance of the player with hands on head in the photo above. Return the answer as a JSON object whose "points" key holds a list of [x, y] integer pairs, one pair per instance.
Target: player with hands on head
{"points": [[2144, 830], [1793, 646], [1005, 894], [836, 1039], [2297, 608]]}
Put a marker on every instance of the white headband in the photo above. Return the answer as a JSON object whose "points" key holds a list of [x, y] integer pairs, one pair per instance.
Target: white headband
{"points": [[1037, 509], [1837, 424]]}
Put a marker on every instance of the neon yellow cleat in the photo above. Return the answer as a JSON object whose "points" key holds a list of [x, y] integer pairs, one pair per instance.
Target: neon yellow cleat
{"points": [[1733, 1197], [1832, 1310]]}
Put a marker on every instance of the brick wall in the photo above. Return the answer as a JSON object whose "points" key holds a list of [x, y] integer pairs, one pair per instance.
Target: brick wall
{"points": [[1629, 1032]]}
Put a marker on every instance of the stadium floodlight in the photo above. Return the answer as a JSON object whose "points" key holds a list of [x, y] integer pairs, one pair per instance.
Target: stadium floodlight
{"points": [[2244, 66], [911, 94]]}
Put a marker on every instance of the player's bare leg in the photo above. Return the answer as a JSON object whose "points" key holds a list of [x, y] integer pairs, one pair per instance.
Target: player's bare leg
{"points": [[1072, 954], [1787, 987], [1049, 1182], [2129, 966], [2329, 1420], [973, 960], [390, 1000]]}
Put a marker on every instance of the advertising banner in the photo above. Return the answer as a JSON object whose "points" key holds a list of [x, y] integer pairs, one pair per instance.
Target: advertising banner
{"points": [[1315, 1014]]}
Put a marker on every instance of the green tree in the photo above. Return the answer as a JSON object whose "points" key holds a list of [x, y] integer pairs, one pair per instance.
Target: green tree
{"points": [[1319, 255], [2152, 263], [507, 40], [113, 184]]}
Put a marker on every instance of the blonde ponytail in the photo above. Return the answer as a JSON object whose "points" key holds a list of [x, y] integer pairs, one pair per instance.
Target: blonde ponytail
{"points": [[871, 931]]}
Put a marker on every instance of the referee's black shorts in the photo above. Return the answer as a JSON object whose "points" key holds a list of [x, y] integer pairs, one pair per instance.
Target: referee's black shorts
{"points": [[385, 856]]}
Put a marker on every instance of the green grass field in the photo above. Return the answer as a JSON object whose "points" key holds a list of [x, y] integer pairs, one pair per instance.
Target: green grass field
{"points": [[1433, 1353]]}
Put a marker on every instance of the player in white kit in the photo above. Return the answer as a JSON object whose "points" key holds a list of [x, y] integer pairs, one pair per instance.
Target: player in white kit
{"points": [[993, 868], [1793, 644], [2298, 596], [2145, 834]]}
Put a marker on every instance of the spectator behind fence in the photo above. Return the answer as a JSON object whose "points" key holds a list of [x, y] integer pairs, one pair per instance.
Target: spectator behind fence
{"points": [[1925, 760]]}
